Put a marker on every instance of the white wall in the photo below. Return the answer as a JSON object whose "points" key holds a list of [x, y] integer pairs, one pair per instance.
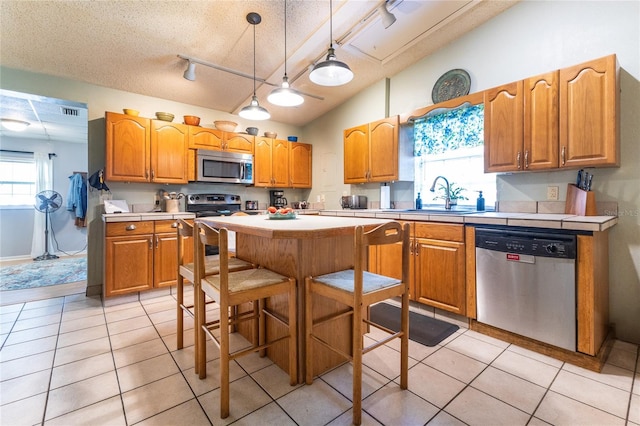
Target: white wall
{"points": [[530, 38]]}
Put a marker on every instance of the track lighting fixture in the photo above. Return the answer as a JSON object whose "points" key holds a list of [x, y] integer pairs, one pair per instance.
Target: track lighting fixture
{"points": [[331, 72], [285, 95], [254, 111], [14, 125], [386, 17], [190, 72]]}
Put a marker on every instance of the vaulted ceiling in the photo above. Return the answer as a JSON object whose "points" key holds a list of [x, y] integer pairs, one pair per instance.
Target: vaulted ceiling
{"points": [[135, 45]]}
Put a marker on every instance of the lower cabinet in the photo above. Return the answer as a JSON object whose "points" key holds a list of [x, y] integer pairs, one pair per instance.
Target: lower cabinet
{"points": [[440, 267], [140, 256], [438, 271]]}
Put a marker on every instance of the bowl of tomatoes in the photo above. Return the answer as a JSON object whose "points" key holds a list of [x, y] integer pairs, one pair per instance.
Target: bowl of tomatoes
{"points": [[281, 213]]}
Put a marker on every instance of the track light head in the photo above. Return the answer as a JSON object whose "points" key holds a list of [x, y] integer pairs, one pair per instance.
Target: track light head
{"points": [[386, 17], [190, 72]]}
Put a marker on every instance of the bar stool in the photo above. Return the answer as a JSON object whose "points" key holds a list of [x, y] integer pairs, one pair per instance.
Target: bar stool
{"points": [[230, 289], [187, 270], [359, 289]]}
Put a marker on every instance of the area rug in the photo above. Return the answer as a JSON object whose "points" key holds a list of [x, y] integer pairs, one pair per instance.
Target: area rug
{"points": [[43, 273], [422, 329]]}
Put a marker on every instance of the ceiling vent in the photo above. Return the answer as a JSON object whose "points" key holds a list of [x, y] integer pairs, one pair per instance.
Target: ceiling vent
{"points": [[69, 111]]}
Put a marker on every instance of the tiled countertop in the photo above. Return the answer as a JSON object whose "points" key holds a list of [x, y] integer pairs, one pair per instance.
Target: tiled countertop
{"points": [[538, 220], [137, 217]]}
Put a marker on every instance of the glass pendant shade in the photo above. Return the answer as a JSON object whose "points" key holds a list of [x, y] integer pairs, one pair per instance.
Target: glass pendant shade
{"points": [[254, 111], [331, 72], [285, 96]]}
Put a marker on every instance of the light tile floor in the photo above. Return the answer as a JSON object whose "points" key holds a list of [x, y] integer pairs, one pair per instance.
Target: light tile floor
{"points": [[69, 360]]}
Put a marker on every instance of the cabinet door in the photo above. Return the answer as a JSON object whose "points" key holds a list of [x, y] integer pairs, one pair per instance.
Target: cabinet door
{"points": [[280, 163], [262, 162], [383, 150], [440, 274], [356, 154], [300, 165], [169, 144], [127, 148], [589, 111], [128, 264], [235, 142], [203, 138], [503, 135], [165, 262], [541, 149]]}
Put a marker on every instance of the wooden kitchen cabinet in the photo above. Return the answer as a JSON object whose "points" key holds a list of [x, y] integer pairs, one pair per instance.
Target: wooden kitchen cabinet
{"points": [[371, 152], [143, 150], [128, 257], [300, 165], [503, 124], [141, 256], [565, 118], [590, 114], [217, 140], [439, 262], [271, 163]]}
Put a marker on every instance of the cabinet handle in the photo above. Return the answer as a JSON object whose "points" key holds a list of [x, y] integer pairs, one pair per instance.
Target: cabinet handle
{"points": [[131, 227], [563, 154], [151, 243], [518, 159], [526, 159], [416, 249], [153, 174], [174, 225], [146, 174], [157, 241]]}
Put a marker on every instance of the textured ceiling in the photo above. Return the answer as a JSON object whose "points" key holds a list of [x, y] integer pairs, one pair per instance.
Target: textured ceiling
{"points": [[134, 45]]}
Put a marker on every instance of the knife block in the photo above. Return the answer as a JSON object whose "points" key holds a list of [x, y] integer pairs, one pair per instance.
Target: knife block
{"points": [[580, 202]]}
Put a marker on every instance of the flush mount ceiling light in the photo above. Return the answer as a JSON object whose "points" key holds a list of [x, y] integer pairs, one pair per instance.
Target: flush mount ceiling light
{"points": [[285, 95], [254, 111], [14, 125], [190, 72], [331, 72], [387, 17]]}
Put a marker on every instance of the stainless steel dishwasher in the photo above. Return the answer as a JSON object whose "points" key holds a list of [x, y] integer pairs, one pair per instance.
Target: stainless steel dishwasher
{"points": [[526, 283]]}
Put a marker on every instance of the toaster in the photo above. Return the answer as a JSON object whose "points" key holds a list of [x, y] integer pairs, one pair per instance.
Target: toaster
{"points": [[353, 202]]}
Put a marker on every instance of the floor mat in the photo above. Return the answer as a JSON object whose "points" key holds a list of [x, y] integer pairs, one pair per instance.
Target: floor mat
{"points": [[422, 329], [43, 273]]}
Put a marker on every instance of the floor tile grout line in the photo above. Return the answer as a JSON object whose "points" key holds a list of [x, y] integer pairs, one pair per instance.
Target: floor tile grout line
{"points": [[53, 363], [633, 381]]}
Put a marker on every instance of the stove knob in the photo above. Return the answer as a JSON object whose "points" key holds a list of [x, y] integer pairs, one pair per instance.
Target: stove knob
{"points": [[551, 249]]}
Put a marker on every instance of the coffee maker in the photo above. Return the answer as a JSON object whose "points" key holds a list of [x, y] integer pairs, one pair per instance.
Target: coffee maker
{"points": [[277, 199]]}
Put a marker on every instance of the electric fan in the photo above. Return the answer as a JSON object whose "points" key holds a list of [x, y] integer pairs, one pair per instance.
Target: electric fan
{"points": [[47, 202]]}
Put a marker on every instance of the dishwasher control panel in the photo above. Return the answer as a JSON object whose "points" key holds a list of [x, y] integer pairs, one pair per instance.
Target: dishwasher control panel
{"points": [[527, 243]]}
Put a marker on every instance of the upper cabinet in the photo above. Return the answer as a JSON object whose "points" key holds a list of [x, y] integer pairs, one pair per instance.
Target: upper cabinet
{"points": [[217, 140], [590, 114], [143, 150], [300, 165], [282, 164], [372, 152], [566, 118]]}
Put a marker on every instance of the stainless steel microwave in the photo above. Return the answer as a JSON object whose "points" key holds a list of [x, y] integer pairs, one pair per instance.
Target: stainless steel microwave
{"points": [[224, 167]]}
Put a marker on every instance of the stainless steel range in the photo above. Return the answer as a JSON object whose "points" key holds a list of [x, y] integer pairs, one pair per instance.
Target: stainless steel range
{"points": [[213, 204]]}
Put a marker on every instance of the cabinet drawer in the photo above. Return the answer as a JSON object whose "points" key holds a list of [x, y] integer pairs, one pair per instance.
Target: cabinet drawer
{"points": [[165, 226], [119, 229], [440, 231]]}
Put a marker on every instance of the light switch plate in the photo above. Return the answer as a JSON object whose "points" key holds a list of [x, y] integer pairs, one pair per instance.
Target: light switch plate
{"points": [[552, 193]]}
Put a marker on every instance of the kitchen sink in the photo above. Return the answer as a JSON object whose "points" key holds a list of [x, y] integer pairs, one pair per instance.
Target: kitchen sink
{"points": [[441, 211]]}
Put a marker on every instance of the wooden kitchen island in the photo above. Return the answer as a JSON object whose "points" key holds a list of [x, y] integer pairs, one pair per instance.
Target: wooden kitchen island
{"points": [[308, 245]]}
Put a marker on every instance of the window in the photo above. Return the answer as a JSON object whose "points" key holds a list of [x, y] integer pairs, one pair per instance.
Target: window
{"points": [[17, 178], [451, 144]]}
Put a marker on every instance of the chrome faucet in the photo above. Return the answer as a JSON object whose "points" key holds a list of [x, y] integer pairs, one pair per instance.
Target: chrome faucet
{"points": [[447, 201]]}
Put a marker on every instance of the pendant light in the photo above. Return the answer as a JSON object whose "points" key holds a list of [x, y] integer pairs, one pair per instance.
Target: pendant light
{"points": [[254, 111], [331, 72], [284, 95]]}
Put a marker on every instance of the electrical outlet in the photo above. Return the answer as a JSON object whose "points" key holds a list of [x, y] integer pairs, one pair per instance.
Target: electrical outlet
{"points": [[552, 193]]}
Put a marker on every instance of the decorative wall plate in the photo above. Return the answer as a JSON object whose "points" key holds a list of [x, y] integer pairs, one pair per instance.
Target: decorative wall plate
{"points": [[452, 84]]}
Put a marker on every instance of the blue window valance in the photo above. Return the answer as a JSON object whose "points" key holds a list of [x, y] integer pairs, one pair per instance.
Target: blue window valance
{"points": [[449, 131]]}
